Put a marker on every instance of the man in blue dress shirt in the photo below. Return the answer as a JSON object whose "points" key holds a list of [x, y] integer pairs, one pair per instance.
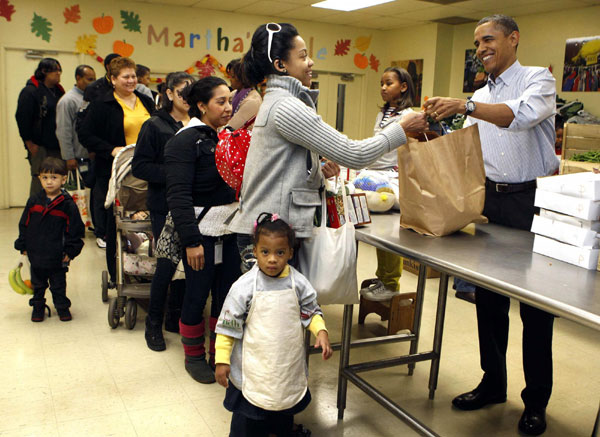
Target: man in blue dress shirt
{"points": [[515, 114]]}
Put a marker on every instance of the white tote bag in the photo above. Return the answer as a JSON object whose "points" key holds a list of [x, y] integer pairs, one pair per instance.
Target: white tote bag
{"points": [[80, 195], [328, 259]]}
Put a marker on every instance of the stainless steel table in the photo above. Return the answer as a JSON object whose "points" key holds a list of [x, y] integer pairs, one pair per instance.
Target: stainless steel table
{"points": [[494, 257]]}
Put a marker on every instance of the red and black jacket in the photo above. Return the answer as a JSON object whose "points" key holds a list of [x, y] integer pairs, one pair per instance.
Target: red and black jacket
{"points": [[48, 231]]}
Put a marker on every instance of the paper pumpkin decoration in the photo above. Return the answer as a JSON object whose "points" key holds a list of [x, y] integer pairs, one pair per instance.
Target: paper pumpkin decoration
{"points": [[361, 61], [122, 48], [103, 24]]}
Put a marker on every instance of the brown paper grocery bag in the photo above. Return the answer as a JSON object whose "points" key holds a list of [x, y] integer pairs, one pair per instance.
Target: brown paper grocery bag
{"points": [[442, 182]]}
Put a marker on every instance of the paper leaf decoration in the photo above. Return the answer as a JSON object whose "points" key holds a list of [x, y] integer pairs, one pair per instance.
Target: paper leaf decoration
{"points": [[6, 9], [131, 21], [342, 47], [374, 62], [85, 44], [205, 69], [103, 24], [41, 27], [362, 43], [72, 14]]}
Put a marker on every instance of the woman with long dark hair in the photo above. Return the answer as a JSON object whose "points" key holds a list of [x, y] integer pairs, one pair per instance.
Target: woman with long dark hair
{"points": [[283, 169], [149, 164], [200, 202]]}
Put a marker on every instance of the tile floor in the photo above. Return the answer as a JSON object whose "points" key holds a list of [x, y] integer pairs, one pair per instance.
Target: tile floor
{"points": [[82, 378]]}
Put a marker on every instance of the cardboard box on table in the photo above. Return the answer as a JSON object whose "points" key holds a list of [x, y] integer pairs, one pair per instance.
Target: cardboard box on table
{"points": [[565, 232], [584, 185], [586, 209]]}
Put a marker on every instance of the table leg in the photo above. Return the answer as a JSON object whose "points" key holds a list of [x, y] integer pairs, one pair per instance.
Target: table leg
{"points": [[439, 331], [596, 431], [307, 345], [414, 344], [344, 359]]}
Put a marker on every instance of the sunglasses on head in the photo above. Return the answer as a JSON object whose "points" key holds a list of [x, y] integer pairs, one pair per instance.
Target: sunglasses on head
{"points": [[271, 28]]}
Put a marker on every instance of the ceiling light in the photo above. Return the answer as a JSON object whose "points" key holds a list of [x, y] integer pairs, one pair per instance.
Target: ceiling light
{"points": [[348, 5]]}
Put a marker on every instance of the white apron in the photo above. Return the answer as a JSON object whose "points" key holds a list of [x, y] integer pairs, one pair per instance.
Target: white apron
{"points": [[273, 357]]}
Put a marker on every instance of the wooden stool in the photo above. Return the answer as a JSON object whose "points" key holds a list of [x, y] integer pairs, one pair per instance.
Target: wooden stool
{"points": [[399, 310]]}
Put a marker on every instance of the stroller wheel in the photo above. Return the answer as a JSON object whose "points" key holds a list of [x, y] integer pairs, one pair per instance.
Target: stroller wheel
{"points": [[130, 313], [104, 286], [113, 315]]}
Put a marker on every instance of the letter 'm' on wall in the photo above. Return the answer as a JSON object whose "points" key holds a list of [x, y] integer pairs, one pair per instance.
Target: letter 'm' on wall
{"points": [[193, 36], [221, 39], [152, 34]]}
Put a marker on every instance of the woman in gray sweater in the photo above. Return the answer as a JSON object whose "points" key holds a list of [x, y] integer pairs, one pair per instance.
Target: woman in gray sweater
{"points": [[283, 167]]}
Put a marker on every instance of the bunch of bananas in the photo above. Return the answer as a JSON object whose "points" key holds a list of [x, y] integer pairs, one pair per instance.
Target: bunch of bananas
{"points": [[17, 283]]}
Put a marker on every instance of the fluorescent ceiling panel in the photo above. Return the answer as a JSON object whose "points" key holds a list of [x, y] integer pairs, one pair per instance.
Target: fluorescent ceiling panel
{"points": [[348, 5]]}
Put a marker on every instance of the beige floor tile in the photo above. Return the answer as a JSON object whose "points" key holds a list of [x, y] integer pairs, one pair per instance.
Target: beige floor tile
{"points": [[77, 374], [24, 410], [138, 395], [95, 400], [112, 425], [214, 414], [178, 419], [46, 430]]}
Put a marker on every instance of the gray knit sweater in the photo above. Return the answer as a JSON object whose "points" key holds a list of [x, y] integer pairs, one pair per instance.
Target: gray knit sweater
{"points": [[283, 172]]}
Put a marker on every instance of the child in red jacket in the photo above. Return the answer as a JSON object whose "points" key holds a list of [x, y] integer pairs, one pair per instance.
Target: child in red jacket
{"points": [[50, 234]]}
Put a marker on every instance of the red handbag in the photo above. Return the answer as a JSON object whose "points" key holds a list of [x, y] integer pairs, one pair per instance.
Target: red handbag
{"points": [[230, 154]]}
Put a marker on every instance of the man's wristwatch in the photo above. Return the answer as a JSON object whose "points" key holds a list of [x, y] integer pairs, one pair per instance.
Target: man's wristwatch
{"points": [[469, 106]]}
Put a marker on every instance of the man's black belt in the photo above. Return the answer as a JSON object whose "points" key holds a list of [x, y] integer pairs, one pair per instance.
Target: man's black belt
{"points": [[501, 187]]}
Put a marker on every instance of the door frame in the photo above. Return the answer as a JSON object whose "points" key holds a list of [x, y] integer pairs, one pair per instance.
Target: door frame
{"points": [[4, 139]]}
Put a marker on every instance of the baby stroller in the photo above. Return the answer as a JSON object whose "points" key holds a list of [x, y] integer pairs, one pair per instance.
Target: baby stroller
{"points": [[134, 261]]}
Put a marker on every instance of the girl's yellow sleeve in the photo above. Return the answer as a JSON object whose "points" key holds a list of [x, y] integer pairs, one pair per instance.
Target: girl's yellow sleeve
{"points": [[317, 324], [223, 348]]}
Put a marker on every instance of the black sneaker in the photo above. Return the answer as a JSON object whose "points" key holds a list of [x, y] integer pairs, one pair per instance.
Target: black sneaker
{"points": [[64, 314], [39, 312], [154, 336]]}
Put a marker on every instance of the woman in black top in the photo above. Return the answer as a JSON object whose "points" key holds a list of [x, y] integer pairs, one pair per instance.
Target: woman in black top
{"points": [[149, 164], [194, 186]]}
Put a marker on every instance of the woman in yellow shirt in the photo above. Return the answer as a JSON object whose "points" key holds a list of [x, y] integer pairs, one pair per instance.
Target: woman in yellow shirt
{"points": [[112, 122]]}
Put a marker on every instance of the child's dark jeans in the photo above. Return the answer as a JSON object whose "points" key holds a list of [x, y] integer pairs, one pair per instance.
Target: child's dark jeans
{"points": [[40, 277]]}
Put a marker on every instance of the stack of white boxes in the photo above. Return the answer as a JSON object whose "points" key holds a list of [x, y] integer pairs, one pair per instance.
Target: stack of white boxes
{"points": [[569, 221]]}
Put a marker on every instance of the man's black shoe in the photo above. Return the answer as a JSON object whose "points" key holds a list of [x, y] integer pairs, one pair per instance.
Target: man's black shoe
{"points": [[533, 421], [476, 399]]}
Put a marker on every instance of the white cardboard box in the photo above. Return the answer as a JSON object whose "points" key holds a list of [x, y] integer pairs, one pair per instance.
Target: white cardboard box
{"points": [[564, 232], [585, 185], [580, 256], [577, 207], [580, 223]]}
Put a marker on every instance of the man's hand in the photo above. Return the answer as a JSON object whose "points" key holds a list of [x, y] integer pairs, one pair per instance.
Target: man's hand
{"points": [[195, 257], [72, 164], [32, 147], [323, 343], [66, 258], [439, 108], [222, 374], [329, 169], [414, 122]]}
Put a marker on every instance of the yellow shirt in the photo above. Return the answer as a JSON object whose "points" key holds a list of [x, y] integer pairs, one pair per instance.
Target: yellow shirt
{"points": [[133, 119]]}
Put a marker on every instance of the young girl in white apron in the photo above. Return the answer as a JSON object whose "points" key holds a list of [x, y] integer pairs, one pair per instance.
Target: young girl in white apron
{"points": [[260, 338]]}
